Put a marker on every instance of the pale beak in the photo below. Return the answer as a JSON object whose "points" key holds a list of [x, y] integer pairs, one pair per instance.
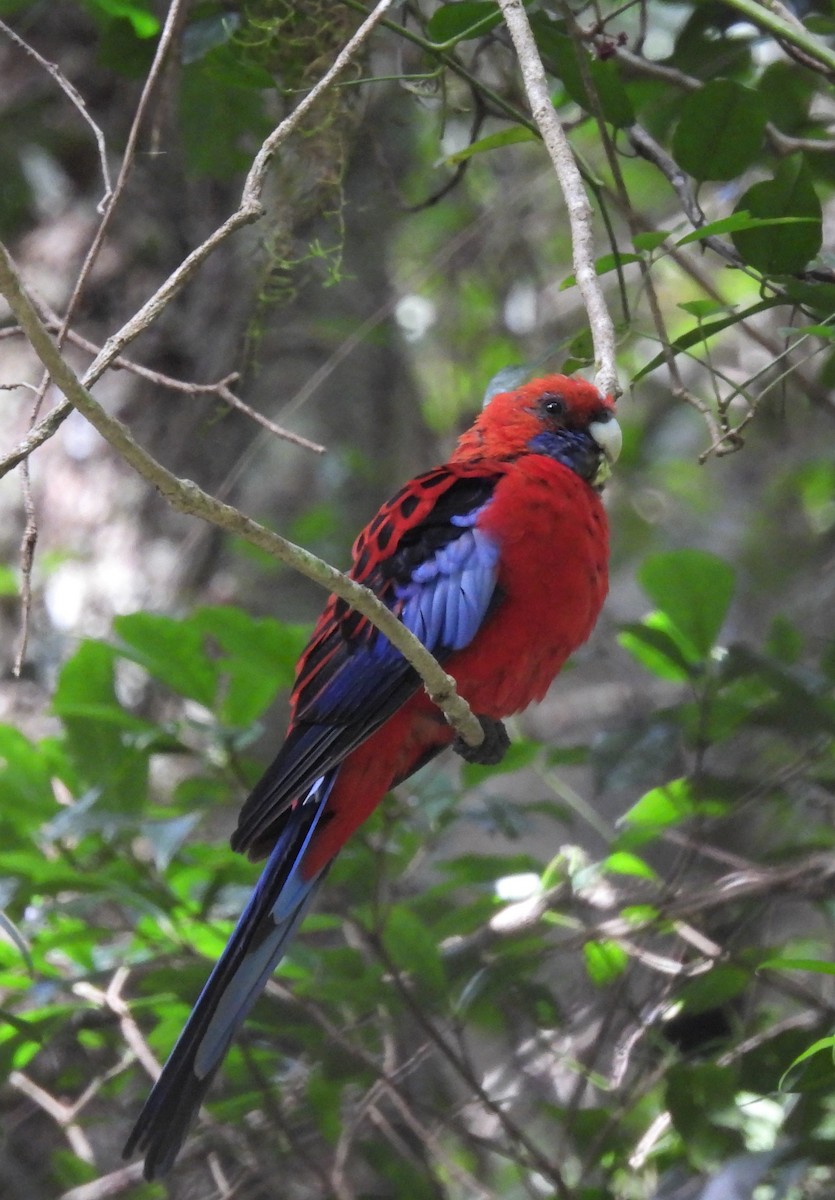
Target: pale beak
{"points": [[609, 437]]}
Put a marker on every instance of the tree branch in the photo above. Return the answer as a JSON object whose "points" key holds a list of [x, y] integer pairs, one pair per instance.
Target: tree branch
{"points": [[571, 183], [75, 98], [777, 19], [249, 210], [186, 497]]}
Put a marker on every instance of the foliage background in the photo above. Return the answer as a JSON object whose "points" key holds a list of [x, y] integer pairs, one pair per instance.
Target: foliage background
{"points": [[595, 972]]}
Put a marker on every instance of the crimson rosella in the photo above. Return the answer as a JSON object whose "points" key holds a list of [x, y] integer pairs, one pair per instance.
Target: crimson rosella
{"points": [[497, 561]]}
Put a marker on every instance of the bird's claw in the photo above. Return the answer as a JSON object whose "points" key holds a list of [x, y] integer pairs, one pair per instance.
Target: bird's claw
{"points": [[491, 750]]}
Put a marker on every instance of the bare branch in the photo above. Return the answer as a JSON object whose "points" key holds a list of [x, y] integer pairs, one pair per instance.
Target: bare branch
{"points": [[571, 183], [229, 397], [107, 1185], [36, 437], [187, 497]]}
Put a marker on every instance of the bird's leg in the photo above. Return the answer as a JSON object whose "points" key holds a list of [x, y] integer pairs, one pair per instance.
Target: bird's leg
{"points": [[489, 752]]}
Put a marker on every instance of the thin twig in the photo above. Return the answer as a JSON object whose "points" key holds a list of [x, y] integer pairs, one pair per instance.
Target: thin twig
{"points": [[161, 54], [647, 147], [112, 999], [28, 542], [571, 183], [534, 1157], [75, 98], [187, 497], [388, 1080], [30, 536], [221, 388], [36, 437]]}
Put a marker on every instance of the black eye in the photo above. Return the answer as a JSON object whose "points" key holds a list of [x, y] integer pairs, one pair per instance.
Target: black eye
{"points": [[554, 406]]}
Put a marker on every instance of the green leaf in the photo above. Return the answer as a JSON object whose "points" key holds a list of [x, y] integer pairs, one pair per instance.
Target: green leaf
{"points": [[787, 93], [213, 96], [143, 22], [703, 331], [812, 294], [798, 331], [520, 754], [171, 651], [714, 988], [463, 20], [817, 965], [25, 782], [604, 264], [790, 193], [650, 240], [622, 862], [703, 308], [493, 141], [720, 132], [413, 949], [666, 805], [694, 588], [99, 732], [605, 961], [259, 660], [785, 641], [562, 55], [739, 220], [698, 1096], [166, 837], [818, 1047], [656, 644], [206, 33]]}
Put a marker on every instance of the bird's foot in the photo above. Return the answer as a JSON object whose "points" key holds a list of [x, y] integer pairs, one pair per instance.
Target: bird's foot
{"points": [[489, 752]]}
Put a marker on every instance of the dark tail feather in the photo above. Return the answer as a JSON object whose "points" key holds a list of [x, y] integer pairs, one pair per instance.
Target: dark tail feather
{"points": [[276, 907]]}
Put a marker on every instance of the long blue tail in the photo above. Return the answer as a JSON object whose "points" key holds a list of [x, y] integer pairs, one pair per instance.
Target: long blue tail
{"points": [[276, 907]]}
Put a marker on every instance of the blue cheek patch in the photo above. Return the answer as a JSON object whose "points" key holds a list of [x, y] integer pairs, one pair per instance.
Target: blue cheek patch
{"points": [[574, 448]]}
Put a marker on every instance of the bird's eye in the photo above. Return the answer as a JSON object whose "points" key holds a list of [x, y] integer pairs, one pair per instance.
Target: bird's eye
{"points": [[554, 406]]}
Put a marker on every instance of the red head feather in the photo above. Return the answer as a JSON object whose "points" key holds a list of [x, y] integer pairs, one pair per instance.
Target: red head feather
{"points": [[512, 419]]}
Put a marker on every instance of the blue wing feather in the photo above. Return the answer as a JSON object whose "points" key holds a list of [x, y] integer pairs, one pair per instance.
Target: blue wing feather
{"points": [[439, 576], [448, 595]]}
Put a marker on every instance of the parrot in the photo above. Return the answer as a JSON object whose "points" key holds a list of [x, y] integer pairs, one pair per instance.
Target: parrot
{"points": [[497, 561]]}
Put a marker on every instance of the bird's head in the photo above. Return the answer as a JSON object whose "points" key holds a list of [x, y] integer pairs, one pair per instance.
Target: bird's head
{"points": [[568, 420]]}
